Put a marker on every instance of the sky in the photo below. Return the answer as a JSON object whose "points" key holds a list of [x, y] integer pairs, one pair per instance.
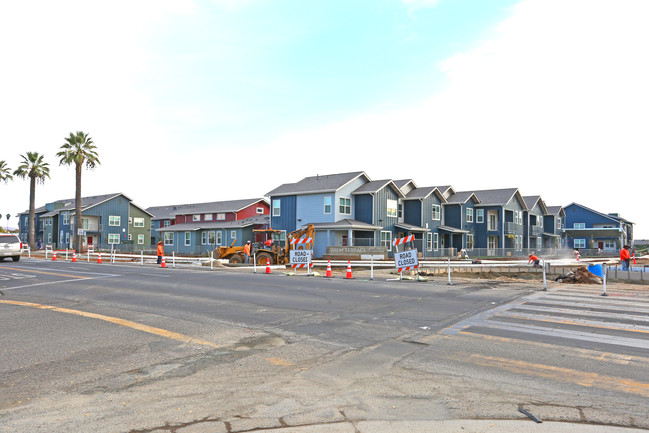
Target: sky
{"points": [[195, 101]]}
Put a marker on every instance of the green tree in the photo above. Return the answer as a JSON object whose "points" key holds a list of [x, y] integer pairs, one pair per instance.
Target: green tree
{"points": [[5, 172], [78, 150], [33, 167]]}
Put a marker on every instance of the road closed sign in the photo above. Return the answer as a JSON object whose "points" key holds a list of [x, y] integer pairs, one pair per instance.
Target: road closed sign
{"points": [[406, 260], [300, 258]]}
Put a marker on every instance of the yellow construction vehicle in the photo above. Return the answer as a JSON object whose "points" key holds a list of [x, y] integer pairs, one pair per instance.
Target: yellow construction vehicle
{"points": [[277, 253]]}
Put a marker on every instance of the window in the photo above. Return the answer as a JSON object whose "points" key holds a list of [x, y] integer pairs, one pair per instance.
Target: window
{"points": [[492, 221], [579, 226], [580, 243], [49, 237], [429, 241], [220, 216], [518, 242], [233, 234], [276, 208], [114, 220], [84, 223], [138, 222], [66, 218], [168, 238], [219, 238], [196, 218], [210, 238], [437, 215], [167, 223], [204, 238], [392, 208], [435, 241], [479, 215], [469, 242], [130, 237], [609, 245], [67, 238], [386, 239], [400, 210], [188, 239], [260, 211], [345, 206], [140, 239], [327, 205], [208, 217], [559, 223], [113, 238], [469, 214], [539, 243]]}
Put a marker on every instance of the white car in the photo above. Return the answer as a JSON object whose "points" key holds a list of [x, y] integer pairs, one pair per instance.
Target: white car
{"points": [[10, 246]]}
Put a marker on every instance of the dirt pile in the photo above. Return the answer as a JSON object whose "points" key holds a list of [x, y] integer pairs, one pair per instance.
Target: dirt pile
{"points": [[579, 276]]}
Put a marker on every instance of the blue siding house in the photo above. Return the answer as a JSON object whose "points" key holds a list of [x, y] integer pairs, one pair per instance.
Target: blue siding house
{"points": [[459, 230], [533, 219], [328, 202], [590, 229], [422, 212], [553, 224]]}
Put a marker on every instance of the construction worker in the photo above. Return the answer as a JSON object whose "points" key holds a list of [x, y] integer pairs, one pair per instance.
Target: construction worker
{"points": [[246, 251], [535, 260], [160, 252], [625, 257], [268, 243]]}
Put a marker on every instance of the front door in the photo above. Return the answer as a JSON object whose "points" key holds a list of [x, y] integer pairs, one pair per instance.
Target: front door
{"points": [[90, 240]]}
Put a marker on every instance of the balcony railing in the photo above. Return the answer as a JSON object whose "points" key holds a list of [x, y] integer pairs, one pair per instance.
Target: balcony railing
{"points": [[537, 231]]}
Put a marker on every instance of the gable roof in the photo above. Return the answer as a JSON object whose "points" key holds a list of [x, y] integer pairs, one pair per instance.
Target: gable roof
{"points": [[554, 210], [171, 211], [377, 185], [446, 190], [532, 200], [617, 219], [499, 197], [86, 203], [211, 225], [318, 184], [462, 197], [424, 192]]}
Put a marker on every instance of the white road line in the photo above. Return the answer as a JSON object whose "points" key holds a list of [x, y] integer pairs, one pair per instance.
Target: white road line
{"points": [[57, 282]]}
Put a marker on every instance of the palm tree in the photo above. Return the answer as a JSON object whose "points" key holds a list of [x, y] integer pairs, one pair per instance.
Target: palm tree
{"points": [[36, 169], [5, 172], [78, 150]]}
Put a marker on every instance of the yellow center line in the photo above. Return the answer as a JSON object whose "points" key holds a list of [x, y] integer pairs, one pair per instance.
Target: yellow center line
{"points": [[583, 378], [122, 322], [30, 271]]}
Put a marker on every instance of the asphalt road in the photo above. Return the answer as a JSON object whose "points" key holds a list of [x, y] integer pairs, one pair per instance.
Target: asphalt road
{"points": [[124, 348]]}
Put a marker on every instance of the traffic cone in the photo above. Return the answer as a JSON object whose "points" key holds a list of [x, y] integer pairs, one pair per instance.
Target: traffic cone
{"points": [[349, 270], [268, 266], [99, 258], [74, 256], [328, 274], [163, 264], [54, 256], [633, 255]]}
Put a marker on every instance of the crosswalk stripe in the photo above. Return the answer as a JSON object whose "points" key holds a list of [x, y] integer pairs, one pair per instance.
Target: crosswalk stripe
{"points": [[591, 305], [589, 313], [576, 321]]}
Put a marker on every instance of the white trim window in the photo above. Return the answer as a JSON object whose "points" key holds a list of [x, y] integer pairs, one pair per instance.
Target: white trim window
{"points": [[138, 222], [220, 216], [327, 204], [113, 238], [469, 214], [479, 216], [168, 238], [579, 226], [260, 210], [345, 207], [219, 238], [392, 206], [437, 212], [196, 218], [66, 218], [429, 241], [208, 217], [386, 240], [233, 235], [166, 223], [277, 208], [211, 238], [113, 220], [470, 242], [188, 239], [435, 241], [140, 239], [539, 243], [579, 243], [558, 223]]}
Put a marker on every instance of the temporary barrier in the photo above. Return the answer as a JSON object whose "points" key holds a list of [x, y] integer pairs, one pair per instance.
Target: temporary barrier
{"points": [[328, 274], [99, 257], [301, 241], [268, 266], [54, 256], [400, 241], [163, 264], [74, 256]]}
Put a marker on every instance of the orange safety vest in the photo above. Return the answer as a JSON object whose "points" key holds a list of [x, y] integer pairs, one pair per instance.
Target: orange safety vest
{"points": [[246, 249], [160, 250], [624, 254]]}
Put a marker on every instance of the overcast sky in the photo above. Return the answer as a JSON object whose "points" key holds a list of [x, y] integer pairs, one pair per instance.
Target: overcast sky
{"points": [[196, 101]]}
